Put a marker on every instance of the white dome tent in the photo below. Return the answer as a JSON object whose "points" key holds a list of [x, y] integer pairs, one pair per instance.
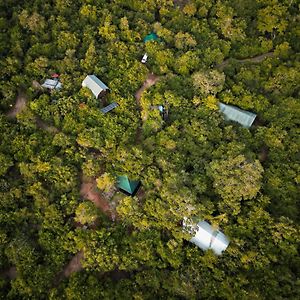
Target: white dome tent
{"points": [[206, 237]]}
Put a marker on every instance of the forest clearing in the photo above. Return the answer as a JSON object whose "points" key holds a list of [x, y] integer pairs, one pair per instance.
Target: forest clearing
{"points": [[149, 149]]}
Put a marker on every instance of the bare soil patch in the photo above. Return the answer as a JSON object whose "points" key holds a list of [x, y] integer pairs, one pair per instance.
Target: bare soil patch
{"points": [[74, 265], [41, 124], [19, 105], [10, 273], [264, 153], [89, 190], [150, 80], [256, 59], [36, 85]]}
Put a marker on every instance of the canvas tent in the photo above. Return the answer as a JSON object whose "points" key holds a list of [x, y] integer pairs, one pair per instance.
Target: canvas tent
{"points": [[130, 187], [238, 115], [52, 84], [206, 237], [95, 85]]}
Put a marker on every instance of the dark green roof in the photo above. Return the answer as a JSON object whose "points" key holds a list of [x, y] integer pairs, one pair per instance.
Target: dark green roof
{"points": [[129, 186], [151, 37]]}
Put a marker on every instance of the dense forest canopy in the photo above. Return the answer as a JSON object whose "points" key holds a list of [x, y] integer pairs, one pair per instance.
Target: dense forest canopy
{"points": [[66, 231]]}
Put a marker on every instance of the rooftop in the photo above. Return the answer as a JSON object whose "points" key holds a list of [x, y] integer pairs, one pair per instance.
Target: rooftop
{"points": [[233, 113]]}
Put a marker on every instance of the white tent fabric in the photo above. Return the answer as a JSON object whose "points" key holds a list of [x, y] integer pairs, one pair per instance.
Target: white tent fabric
{"points": [[207, 238]]}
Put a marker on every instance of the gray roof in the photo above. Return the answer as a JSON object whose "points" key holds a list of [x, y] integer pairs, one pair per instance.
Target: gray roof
{"points": [[52, 84], [238, 115], [109, 107], [94, 84], [206, 237]]}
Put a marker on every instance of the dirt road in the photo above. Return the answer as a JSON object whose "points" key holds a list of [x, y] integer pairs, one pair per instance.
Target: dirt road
{"points": [[19, 105], [256, 59], [151, 80]]}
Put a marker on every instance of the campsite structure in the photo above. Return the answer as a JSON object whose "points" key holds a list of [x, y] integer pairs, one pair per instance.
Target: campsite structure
{"points": [[109, 107], [206, 237], [53, 83], [97, 87], [127, 186], [151, 37], [163, 111], [233, 113]]}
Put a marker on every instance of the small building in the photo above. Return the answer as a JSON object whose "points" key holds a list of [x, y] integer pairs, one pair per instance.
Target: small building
{"points": [[95, 85], [52, 84], [127, 186], [206, 237], [151, 37], [233, 113], [109, 107]]}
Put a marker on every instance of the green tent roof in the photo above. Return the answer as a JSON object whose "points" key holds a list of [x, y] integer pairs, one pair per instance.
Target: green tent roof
{"points": [[151, 37], [129, 186]]}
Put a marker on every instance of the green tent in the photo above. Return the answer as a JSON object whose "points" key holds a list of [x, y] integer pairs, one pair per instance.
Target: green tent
{"points": [[151, 37], [126, 185]]}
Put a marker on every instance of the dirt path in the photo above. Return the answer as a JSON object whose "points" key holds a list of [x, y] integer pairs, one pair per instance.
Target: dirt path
{"points": [[88, 190], [264, 153], [151, 80], [74, 265], [41, 124], [255, 59], [10, 273], [19, 105]]}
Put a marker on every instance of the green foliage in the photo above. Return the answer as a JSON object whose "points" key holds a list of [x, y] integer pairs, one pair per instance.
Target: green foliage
{"points": [[191, 162]]}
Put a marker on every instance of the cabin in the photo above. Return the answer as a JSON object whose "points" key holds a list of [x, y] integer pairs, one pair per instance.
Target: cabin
{"points": [[206, 237], [127, 186], [109, 107], [93, 83], [233, 113]]}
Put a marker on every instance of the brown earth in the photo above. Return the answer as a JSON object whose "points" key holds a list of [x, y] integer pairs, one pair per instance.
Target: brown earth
{"points": [[74, 265], [88, 190], [10, 273], [256, 59], [19, 105], [150, 80], [41, 124]]}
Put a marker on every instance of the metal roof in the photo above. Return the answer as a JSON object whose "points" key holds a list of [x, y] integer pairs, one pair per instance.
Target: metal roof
{"points": [[94, 84], [109, 107], [206, 237], [238, 115], [52, 84]]}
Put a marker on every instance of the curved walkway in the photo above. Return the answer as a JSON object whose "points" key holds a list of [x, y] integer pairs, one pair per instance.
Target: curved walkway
{"points": [[19, 106], [255, 59]]}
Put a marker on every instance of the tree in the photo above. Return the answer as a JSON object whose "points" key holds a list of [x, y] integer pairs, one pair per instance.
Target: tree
{"points": [[106, 182], [208, 82], [234, 179], [86, 213]]}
